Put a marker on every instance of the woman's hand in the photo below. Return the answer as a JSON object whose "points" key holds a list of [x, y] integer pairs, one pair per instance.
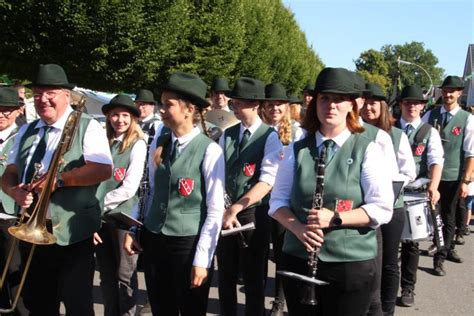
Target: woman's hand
{"points": [[131, 245], [311, 238], [318, 219], [96, 238], [198, 276], [433, 195], [230, 219]]}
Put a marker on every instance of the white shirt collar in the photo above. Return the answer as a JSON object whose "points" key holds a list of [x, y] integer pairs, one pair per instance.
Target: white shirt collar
{"points": [[7, 131], [253, 127], [339, 139], [452, 112], [186, 138], [417, 122], [148, 118], [59, 124]]}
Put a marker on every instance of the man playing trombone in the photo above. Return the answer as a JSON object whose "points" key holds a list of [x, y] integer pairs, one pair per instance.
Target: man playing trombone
{"points": [[62, 270]]}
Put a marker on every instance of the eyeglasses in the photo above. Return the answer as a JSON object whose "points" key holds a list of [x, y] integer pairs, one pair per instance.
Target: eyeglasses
{"points": [[48, 94], [6, 113]]}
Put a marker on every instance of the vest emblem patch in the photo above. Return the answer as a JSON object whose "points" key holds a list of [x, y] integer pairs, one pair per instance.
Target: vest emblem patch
{"points": [[185, 186], [249, 169], [119, 174], [456, 131], [343, 205], [419, 150]]}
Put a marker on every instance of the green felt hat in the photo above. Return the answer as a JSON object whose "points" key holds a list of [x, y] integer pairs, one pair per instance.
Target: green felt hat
{"points": [[374, 91], [248, 89], [309, 88], [275, 92], [412, 92], [123, 101], [336, 80], [145, 96], [220, 84], [9, 97], [294, 99], [189, 86], [453, 82], [52, 75]]}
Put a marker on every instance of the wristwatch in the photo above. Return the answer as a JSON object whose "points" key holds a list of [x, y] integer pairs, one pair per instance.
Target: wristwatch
{"points": [[336, 219]]}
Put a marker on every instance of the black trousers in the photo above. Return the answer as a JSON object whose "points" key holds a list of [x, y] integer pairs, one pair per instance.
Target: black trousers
{"points": [[449, 191], [254, 259], [60, 273], [10, 287], [391, 233], [461, 216], [168, 261], [351, 287], [278, 236], [410, 256]]}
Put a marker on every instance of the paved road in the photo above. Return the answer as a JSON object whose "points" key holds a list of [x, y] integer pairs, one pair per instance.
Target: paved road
{"points": [[452, 294]]}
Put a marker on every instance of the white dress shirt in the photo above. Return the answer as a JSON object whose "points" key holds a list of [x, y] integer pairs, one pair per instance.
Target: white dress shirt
{"points": [[213, 169], [272, 152], [405, 161], [95, 145], [5, 134], [468, 144], [376, 183], [435, 149], [132, 179]]}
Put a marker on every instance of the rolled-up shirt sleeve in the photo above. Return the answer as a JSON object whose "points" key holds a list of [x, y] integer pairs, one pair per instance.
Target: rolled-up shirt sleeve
{"points": [[213, 169], [281, 192], [273, 153], [435, 149], [377, 186], [96, 145], [468, 144]]}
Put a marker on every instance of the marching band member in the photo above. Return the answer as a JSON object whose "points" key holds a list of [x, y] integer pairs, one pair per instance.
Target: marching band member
{"points": [[183, 224], [428, 154], [456, 128], [62, 271], [219, 94], [118, 270], [375, 111], [149, 121], [358, 198], [252, 154]]}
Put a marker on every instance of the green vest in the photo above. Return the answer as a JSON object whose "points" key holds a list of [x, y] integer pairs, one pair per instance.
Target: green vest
{"points": [[396, 135], [6, 202], [345, 244], [75, 211], [420, 151], [453, 133], [243, 169], [121, 164], [179, 202]]}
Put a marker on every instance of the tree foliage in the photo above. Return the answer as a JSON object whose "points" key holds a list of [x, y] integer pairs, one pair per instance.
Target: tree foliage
{"points": [[121, 45], [382, 67]]}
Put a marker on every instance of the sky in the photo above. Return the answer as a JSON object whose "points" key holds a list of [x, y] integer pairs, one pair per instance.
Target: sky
{"points": [[340, 30]]}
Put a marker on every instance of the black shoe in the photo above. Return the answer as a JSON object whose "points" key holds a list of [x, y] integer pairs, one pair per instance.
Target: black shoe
{"points": [[467, 230], [454, 257], [459, 239], [277, 308], [408, 298], [438, 269]]}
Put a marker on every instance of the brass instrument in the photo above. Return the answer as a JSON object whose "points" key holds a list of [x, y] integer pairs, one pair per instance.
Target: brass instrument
{"points": [[34, 230]]}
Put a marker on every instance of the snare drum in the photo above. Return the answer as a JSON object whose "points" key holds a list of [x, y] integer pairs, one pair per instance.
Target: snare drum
{"points": [[417, 219]]}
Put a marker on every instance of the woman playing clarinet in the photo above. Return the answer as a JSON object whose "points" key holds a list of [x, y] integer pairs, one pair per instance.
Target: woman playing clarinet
{"points": [[357, 198]]}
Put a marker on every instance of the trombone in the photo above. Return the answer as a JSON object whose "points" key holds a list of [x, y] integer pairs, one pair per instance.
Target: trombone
{"points": [[33, 229]]}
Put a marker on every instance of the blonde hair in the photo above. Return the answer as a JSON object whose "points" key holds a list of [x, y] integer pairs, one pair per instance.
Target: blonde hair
{"points": [[132, 134], [284, 126]]}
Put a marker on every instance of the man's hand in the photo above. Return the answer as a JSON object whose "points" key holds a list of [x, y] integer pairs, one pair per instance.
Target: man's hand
{"points": [[131, 245], [22, 195], [230, 219]]}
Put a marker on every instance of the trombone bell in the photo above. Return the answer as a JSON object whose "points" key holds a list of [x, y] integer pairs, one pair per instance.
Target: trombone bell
{"points": [[37, 235]]}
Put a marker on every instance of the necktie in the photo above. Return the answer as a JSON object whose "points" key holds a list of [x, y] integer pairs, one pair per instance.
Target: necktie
{"points": [[174, 153], [409, 129], [1, 141], [116, 146], [327, 151], [446, 118], [244, 140], [37, 155]]}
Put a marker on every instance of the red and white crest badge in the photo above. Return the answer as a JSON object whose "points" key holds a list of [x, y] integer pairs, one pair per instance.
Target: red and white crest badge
{"points": [[119, 174], [456, 131], [185, 186], [419, 150], [249, 169], [343, 205]]}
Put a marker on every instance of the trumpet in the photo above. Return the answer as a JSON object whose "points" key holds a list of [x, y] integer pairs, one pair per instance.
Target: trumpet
{"points": [[33, 229]]}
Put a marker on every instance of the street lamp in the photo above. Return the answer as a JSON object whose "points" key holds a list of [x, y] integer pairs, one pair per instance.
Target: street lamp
{"points": [[431, 89]]}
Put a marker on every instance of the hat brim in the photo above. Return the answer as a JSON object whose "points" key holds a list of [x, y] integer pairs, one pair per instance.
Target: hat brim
{"points": [[147, 101], [196, 100], [133, 110], [277, 99], [246, 97], [451, 87], [68, 86], [351, 94], [414, 99]]}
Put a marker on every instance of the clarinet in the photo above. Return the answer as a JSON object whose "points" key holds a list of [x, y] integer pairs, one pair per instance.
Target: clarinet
{"points": [[308, 296]]}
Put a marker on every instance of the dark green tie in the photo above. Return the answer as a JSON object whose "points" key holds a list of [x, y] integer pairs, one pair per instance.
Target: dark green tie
{"points": [[37, 155], [244, 140], [409, 129], [174, 153], [327, 151], [446, 118]]}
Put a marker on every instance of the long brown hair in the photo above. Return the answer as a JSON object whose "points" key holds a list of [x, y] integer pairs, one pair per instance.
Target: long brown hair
{"points": [[312, 124], [385, 120], [132, 134]]}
